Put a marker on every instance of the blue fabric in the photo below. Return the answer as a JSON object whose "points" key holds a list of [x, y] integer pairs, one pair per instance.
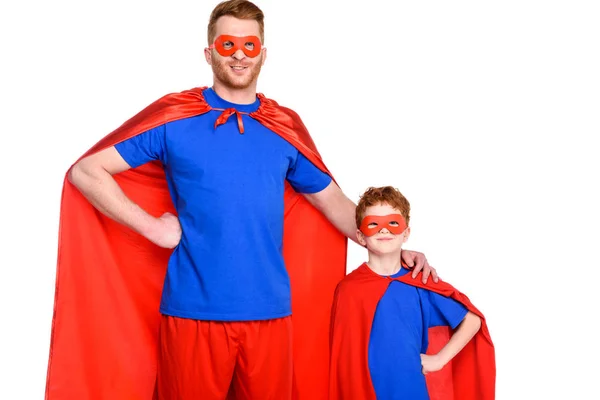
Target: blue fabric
{"points": [[399, 336], [228, 190]]}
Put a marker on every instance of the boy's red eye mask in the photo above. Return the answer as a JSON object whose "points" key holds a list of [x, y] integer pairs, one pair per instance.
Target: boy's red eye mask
{"points": [[227, 45], [372, 224]]}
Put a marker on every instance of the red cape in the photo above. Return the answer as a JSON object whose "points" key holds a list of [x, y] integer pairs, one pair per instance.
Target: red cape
{"points": [[109, 279], [471, 375]]}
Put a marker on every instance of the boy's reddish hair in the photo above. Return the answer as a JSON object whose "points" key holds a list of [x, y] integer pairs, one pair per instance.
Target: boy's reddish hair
{"points": [[382, 195]]}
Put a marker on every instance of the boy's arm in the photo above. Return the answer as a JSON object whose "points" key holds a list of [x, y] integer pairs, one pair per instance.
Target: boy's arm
{"points": [[465, 332]]}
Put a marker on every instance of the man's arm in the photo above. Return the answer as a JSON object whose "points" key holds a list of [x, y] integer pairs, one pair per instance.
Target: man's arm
{"points": [[465, 332], [93, 177], [336, 207]]}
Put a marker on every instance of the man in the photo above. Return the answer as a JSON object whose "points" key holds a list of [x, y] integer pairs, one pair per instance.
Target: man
{"points": [[231, 164]]}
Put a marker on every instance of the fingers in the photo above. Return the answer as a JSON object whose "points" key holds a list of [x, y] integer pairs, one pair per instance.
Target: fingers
{"points": [[421, 263], [426, 272], [418, 267], [416, 271], [418, 263], [408, 258]]}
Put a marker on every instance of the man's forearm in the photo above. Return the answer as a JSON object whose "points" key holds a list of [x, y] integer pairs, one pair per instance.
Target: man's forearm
{"points": [[341, 215], [102, 191], [337, 208]]}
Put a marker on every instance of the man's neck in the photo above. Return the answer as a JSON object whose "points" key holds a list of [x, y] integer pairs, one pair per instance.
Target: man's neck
{"points": [[237, 96], [386, 264]]}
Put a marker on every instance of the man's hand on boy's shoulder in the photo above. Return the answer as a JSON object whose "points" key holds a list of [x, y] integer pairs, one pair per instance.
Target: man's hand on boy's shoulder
{"points": [[418, 263], [431, 363]]}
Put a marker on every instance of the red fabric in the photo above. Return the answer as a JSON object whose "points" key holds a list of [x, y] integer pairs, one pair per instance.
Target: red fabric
{"points": [[228, 113], [383, 221], [198, 359], [470, 375], [109, 280], [237, 43]]}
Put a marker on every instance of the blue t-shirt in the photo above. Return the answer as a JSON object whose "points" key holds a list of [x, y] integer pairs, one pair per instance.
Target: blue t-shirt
{"points": [[228, 190], [399, 336]]}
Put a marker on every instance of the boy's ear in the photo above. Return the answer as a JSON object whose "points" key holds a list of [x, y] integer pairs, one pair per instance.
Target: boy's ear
{"points": [[406, 234], [361, 237]]}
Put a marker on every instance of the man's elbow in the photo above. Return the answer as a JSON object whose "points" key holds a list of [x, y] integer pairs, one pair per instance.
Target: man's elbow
{"points": [[74, 174], [80, 173]]}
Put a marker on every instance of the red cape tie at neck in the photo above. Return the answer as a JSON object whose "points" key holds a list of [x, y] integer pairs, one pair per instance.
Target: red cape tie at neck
{"points": [[225, 116]]}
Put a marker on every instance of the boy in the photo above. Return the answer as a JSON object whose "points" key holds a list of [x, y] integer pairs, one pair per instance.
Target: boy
{"points": [[383, 324]]}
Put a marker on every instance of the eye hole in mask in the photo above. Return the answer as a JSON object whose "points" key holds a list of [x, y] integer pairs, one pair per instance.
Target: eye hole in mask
{"points": [[227, 45], [372, 224]]}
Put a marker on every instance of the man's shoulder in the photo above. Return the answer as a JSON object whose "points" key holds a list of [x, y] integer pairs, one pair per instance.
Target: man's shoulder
{"points": [[267, 102], [195, 91]]}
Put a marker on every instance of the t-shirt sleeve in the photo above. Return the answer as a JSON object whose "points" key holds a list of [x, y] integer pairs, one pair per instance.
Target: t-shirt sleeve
{"points": [[445, 311], [305, 177], [145, 147]]}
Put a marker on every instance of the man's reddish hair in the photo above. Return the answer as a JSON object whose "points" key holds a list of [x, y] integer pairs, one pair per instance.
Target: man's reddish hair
{"points": [[241, 9]]}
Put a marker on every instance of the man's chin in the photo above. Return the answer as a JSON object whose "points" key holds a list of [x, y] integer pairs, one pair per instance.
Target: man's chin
{"points": [[239, 85], [234, 81], [237, 82]]}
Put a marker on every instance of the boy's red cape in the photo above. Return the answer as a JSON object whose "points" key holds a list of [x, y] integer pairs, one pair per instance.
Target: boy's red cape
{"points": [[109, 281], [471, 375]]}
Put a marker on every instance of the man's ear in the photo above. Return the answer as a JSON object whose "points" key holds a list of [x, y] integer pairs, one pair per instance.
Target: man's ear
{"points": [[264, 56], [208, 55]]}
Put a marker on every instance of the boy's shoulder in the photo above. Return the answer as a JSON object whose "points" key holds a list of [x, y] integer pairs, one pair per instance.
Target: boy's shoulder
{"points": [[348, 283], [353, 279], [360, 282]]}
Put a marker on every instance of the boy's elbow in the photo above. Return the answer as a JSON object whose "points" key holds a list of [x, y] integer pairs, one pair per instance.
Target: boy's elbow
{"points": [[471, 322], [476, 321]]}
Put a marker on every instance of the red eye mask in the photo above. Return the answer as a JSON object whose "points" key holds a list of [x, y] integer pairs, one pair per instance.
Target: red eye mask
{"points": [[372, 224], [227, 45]]}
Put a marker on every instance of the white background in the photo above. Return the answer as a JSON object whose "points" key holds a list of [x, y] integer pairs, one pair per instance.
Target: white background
{"points": [[483, 114]]}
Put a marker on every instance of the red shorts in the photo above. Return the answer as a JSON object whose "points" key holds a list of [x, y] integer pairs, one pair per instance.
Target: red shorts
{"points": [[211, 359]]}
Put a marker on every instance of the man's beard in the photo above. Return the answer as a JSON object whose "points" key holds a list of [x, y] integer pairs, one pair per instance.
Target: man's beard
{"points": [[225, 75]]}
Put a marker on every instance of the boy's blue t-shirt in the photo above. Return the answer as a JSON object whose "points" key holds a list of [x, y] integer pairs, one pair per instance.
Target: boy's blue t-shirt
{"points": [[399, 336], [228, 190]]}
